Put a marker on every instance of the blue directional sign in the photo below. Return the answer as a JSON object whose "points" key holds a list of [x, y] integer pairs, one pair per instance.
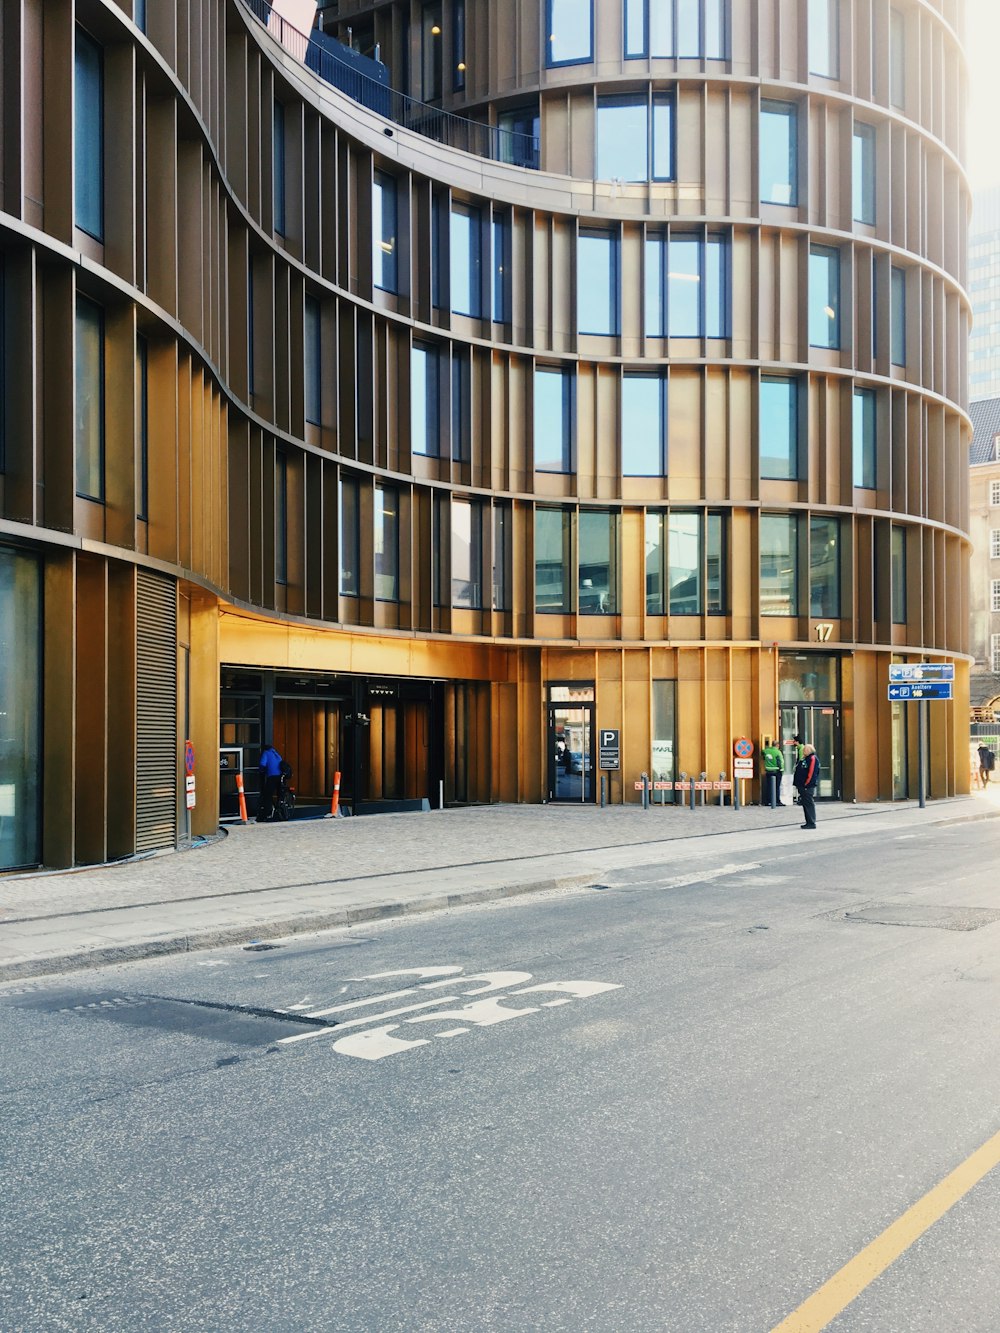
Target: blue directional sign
{"points": [[921, 671], [928, 689]]}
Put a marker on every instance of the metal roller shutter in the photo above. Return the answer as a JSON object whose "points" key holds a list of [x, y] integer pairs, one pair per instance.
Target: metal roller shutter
{"points": [[156, 713]]}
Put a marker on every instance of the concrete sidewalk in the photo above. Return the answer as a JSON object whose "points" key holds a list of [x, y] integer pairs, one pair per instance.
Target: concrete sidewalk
{"points": [[266, 881]]}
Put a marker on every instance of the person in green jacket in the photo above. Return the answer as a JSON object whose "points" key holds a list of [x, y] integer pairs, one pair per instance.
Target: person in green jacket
{"points": [[774, 768]]}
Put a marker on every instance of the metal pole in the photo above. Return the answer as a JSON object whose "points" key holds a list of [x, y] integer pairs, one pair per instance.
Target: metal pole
{"points": [[645, 792], [722, 794], [922, 751], [692, 790], [604, 790], [736, 792], [441, 794]]}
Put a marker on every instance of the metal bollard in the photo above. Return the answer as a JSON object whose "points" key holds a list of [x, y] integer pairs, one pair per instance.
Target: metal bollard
{"points": [[645, 791], [722, 794], [604, 790], [693, 793], [703, 792], [736, 792]]}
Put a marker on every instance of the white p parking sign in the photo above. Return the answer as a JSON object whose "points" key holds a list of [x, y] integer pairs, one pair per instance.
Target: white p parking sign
{"points": [[610, 749]]}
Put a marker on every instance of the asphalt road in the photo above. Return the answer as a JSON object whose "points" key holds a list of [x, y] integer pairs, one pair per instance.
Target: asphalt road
{"points": [[773, 1061]]}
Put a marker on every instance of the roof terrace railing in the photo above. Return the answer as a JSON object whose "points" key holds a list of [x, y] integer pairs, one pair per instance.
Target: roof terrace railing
{"points": [[472, 136]]}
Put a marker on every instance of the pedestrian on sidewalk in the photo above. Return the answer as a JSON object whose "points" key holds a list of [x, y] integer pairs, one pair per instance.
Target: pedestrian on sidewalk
{"points": [[987, 763], [270, 783], [806, 780], [774, 769]]}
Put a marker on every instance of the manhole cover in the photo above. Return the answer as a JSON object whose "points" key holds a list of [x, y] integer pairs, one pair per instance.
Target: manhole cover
{"points": [[928, 915]]}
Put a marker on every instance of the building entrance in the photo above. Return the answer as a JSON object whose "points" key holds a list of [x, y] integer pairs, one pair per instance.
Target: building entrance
{"points": [[817, 725], [571, 752]]}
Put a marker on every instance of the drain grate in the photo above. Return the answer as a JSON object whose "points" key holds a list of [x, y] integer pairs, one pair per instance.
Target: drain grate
{"points": [[929, 916]]}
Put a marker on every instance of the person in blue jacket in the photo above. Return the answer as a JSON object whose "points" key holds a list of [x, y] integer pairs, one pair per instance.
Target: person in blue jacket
{"points": [[270, 783], [806, 781]]}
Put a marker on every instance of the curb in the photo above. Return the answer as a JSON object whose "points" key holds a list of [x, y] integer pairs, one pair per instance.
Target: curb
{"points": [[303, 923]]}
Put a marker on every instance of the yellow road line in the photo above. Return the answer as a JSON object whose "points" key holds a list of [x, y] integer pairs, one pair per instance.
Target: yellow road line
{"points": [[835, 1295]]}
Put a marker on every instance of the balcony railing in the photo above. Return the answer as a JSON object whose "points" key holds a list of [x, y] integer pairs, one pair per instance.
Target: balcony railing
{"points": [[472, 136]]}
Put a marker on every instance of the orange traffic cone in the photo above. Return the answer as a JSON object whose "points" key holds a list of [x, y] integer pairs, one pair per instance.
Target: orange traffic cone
{"points": [[243, 799], [335, 798]]}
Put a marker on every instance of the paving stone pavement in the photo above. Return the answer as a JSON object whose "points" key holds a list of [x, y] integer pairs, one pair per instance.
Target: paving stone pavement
{"points": [[263, 881]]}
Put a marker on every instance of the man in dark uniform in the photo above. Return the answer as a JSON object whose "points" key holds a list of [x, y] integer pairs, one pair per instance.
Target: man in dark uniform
{"points": [[806, 781]]}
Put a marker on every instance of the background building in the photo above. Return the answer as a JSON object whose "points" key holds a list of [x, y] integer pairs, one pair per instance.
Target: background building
{"points": [[606, 369], [984, 524], [984, 293]]}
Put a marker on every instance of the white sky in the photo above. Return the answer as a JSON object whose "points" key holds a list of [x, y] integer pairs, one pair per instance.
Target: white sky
{"points": [[982, 45]]}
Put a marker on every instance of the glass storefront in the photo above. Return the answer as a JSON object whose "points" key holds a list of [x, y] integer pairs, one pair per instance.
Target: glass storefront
{"points": [[20, 710]]}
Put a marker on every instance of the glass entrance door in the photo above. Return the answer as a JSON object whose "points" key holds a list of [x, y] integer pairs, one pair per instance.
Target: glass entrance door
{"points": [[571, 759], [817, 725]]}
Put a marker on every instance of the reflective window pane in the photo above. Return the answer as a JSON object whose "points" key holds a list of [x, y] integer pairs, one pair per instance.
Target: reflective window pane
{"points": [[684, 287], [350, 537], [664, 732], [661, 28], [570, 31], [655, 305], [897, 334], [461, 407], [501, 556], [635, 28], [425, 431], [779, 565], [898, 576], [89, 399], [313, 380], [655, 549], [597, 284], [465, 261], [466, 554], [20, 710], [864, 438], [622, 139], [717, 288], [824, 38], [778, 151], [715, 565], [779, 428], [824, 567], [552, 419], [384, 234], [386, 544], [598, 563], [863, 174], [688, 28], [281, 518], [643, 426], [88, 136], [552, 559], [501, 282], [663, 138], [684, 554], [824, 297], [714, 29]]}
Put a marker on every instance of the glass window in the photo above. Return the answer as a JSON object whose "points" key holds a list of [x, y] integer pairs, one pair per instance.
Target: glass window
{"points": [[88, 136], [995, 544], [995, 652], [655, 299], [89, 399], [655, 548], [20, 710], [386, 544], [809, 677], [553, 528], [898, 575], [570, 29], [553, 420], [622, 139], [995, 594], [663, 138], [684, 287], [384, 234], [517, 131], [501, 262], [864, 438], [139, 14], [142, 425], [281, 518], [664, 729], [685, 564], [824, 567], [643, 420], [778, 153], [824, 297], [995, 492], [466, 246], [598, 562], [430, 51], [501, 556], [687, 290], [461, 407], [439, 220], [897, 335], [467, 554], [779, 428], [350, 537], [635, 29], [596, 283], [897, 59], [779, 565], [279, 168], [313, 376], [458, 45], [425, 420], [715, 565], [824, 38], [663, 28], [863, 174], [716, 287]]}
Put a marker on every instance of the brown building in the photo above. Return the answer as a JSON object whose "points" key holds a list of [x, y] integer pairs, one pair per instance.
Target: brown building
{"points": [[583, 363]]}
